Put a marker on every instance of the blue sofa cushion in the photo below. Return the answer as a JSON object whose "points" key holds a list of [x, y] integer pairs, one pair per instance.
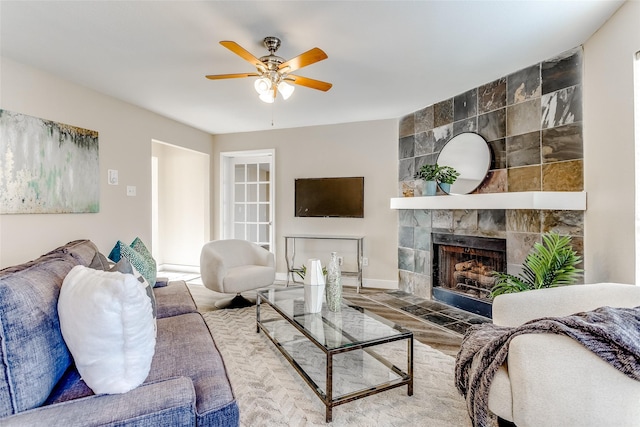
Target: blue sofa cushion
{"points": [[166, 403], [184, 347], [173, 300], [33, 355], [83, 251]]}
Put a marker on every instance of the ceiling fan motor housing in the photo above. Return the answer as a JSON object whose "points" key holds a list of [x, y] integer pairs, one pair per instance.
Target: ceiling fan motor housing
{"points": [[271, 61], [272, 44]]}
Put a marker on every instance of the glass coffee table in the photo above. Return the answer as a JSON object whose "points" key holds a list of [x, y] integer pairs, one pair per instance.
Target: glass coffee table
{"points": [[342, 356]]}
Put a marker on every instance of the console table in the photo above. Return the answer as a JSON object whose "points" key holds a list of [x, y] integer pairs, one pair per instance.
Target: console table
{"points": [[290, 255]]}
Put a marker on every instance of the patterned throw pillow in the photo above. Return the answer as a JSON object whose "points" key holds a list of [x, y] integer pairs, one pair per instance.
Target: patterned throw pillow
{"points": [[138, 246], [145, 265]]}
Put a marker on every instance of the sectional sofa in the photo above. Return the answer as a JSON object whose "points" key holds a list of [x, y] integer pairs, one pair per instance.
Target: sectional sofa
{"points": [[187, 382]]}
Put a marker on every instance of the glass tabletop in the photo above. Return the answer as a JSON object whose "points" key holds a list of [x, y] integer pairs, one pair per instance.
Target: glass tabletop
{"points": [[350, 326]]}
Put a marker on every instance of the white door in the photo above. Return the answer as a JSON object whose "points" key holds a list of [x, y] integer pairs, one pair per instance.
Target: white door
{"points": [[248, 197]]}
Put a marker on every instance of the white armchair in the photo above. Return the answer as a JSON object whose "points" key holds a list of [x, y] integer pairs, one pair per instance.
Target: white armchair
{"points": [[552, 380], [235, 266]]}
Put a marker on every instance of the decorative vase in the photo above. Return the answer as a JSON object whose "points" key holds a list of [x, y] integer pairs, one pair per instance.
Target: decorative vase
{"points": [[334, 283], [446, 187], [313, 287], [430, 188]]}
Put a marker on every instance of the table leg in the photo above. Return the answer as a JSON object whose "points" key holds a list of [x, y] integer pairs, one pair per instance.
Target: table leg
{"points": [[410, 366], [290, 260], [258, 313], [329, 390], [360, 255]]}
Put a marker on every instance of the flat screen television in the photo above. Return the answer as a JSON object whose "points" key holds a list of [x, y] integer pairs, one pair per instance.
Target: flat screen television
{"points": [[330, 197]]}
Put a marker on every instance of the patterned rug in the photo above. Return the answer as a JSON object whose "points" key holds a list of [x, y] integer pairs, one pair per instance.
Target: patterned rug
{"points": [[271, 393]]}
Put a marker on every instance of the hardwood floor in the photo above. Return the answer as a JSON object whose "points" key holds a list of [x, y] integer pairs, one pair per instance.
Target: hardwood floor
{"points": [[435, 324]]}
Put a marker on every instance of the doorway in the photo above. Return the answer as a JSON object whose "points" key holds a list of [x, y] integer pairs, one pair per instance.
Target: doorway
{"points": [[180, 206], [248, 196]]}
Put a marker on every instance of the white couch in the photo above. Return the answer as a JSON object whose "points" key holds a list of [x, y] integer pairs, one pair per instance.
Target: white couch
{"points": [[552, 380]]}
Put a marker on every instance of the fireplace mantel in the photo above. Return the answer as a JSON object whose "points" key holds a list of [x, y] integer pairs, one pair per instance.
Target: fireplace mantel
{"points": [[544, 200]]}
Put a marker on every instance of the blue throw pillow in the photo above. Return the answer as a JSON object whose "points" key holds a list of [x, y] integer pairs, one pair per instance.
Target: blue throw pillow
{"points": [[146, 265]]}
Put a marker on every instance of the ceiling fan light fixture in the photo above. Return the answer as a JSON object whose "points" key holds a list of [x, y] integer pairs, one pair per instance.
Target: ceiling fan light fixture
{"points": [[272, 70], [285, 89], [262, 85], [267, 97]]}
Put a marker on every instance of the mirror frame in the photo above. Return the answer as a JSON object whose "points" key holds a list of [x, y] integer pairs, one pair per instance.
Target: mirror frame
{"points": [[470, 155]]}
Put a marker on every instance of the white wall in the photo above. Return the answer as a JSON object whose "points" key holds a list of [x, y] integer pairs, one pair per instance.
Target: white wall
{"points": [[609, 144], [125, 135], [366, 149]]}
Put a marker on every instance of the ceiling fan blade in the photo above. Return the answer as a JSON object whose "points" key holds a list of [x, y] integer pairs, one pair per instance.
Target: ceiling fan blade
{"points": [[231, 76], [311, 83], [309, 57], [243, 53]]}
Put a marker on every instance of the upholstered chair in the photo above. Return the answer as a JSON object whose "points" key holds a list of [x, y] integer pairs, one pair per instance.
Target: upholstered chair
{"points": [[553, 380], [234, 266]]}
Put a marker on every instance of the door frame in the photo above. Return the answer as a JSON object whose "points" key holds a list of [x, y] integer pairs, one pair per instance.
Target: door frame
{"points": [[226, 178]]}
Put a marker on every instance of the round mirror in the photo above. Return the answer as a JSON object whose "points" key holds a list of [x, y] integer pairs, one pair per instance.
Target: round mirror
{"points": [[469, 154]]}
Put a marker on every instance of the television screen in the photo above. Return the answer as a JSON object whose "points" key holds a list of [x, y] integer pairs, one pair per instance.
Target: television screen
{"points": [[330, 197]]}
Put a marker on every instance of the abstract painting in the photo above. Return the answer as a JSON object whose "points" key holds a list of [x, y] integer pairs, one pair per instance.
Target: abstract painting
{"points": [[47, 167]]}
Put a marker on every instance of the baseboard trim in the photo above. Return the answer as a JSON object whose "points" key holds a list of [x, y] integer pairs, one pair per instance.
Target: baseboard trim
{"points": [[179, 268]]}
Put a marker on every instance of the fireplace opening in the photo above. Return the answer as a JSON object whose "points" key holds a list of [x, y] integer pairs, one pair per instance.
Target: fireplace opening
{"points": [[462, 270]]}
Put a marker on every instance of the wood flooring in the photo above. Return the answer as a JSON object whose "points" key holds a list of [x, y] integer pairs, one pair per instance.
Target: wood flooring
{"points": [[433, 323]]}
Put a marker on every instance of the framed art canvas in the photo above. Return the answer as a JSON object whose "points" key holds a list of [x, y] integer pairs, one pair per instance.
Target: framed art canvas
{"points": [[47, 167]]}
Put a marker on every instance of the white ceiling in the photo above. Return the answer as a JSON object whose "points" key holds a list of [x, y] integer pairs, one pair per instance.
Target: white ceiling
{"points": [[386, 58]]}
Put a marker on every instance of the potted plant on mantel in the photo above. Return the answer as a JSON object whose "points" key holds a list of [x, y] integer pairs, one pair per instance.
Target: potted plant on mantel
{"points": [[429, 174], [546, 266], [447, 176], [434, 174]]}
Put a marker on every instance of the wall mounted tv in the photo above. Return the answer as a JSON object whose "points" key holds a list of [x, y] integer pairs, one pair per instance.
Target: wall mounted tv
{"points": [[330, 197]]}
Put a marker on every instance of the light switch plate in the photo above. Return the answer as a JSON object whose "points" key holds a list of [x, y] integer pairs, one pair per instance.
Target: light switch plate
{"points": [[112, 176], [131, 190]]}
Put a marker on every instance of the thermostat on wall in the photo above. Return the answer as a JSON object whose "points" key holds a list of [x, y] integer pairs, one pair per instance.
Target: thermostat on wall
{"points": [[112, 177]]}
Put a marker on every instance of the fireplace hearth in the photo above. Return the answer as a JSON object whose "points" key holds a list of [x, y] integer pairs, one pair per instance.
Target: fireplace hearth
{"points": [[463, 269]]}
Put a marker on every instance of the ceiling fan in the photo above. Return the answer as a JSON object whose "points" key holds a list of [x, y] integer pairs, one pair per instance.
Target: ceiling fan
{"points": [[273, 72]]}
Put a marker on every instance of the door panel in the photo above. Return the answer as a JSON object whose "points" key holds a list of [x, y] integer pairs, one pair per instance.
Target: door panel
{"points": [[248, 196]]}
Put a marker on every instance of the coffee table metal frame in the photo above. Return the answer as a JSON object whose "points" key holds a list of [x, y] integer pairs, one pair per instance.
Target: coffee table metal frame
{"points": [[405, 378], [290, 257]]}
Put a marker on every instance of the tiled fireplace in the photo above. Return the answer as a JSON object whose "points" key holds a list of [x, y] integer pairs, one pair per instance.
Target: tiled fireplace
{"points": [[532, 122]]}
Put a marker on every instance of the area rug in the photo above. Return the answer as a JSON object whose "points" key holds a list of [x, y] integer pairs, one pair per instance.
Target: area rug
{"points": [[271, 393]]}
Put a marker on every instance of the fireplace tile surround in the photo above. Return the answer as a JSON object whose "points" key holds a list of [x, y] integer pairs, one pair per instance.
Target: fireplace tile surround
{"points": [[532, 121]]}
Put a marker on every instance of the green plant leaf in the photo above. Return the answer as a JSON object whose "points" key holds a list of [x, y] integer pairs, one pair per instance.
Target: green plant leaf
{"points": [[428, 172], [507, 284], [447, 175], [547, 265]]}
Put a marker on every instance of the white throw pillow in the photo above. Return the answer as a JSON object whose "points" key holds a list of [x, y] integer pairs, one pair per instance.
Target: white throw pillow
{"points": [[107, 322]]}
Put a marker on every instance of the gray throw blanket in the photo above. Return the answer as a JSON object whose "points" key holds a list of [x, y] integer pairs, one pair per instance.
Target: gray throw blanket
{"points": [[611, 333]]}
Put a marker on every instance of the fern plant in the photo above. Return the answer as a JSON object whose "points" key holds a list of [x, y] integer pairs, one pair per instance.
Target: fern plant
{"points": [[548, 265]]}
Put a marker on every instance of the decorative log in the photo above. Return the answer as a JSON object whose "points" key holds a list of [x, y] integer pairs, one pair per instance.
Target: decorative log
{"points": [[466, 265]]}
